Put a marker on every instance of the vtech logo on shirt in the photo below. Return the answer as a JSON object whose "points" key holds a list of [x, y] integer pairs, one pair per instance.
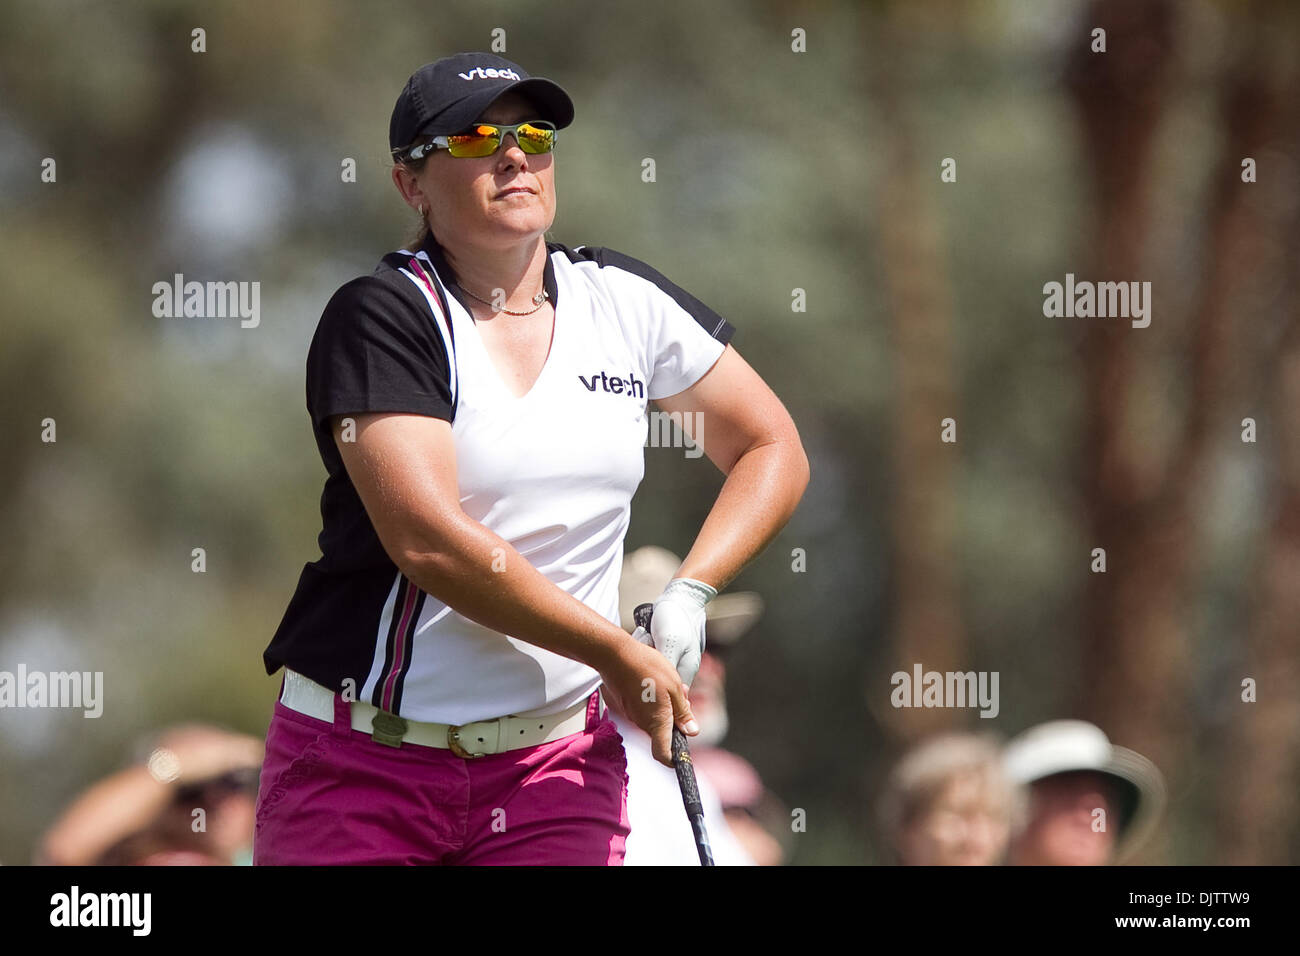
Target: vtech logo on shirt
{"points": [[489, 74], [612, 383]]}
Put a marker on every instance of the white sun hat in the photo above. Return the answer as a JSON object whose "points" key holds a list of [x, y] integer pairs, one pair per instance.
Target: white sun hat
{"points": [[647, 571], [1069, 746]]}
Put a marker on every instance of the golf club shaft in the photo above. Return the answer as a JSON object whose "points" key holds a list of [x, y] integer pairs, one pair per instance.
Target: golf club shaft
{"points": [[685, 770]]}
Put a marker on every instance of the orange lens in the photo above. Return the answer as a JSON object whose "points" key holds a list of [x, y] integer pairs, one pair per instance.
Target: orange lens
{"points": [[483, 141]]}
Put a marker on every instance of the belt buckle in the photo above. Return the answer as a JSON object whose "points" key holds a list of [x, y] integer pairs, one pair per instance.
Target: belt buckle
{"points": [[388, 729], [453, 743]]}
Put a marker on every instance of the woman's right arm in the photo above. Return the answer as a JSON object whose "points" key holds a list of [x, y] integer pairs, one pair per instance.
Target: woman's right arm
{"points": [[404, 469]]}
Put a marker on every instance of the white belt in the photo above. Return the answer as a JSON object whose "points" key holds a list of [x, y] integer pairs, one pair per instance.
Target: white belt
{"points": [[465, 740]]}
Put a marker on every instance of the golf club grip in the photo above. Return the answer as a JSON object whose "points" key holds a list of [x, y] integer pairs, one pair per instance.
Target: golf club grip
{"points": [[691, 796], [685, 769]]}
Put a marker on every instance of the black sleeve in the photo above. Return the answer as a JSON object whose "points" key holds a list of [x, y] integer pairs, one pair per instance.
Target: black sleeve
{"points": [[376, 350], [712, 323]]}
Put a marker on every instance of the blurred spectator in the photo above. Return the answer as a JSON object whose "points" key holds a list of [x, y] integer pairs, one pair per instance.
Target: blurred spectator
{"points": [[758, 821], [145, 815], [1091, 803], [949, 803], [660, 832]]}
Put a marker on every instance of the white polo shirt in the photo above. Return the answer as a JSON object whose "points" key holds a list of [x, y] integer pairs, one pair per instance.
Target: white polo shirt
{"points": [[553, 472]]}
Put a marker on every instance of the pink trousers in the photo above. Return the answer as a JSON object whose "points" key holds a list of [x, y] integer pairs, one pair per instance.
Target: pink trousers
{"points": [[331, 795]]}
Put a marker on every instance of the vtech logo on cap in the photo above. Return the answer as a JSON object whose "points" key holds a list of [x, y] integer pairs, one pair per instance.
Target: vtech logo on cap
{"points": [[443, 97], [489, 74]]}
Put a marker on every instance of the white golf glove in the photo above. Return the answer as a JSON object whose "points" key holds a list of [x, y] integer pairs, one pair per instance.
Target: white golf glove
{"points": [[677, 625]]}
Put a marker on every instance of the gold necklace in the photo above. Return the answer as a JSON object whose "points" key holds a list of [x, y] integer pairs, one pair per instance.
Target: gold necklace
{"points": [[539, 300]]}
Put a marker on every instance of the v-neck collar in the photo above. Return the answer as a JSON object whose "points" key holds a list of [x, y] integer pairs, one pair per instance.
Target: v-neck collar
{"points": [[549, 283], [448, 276]]}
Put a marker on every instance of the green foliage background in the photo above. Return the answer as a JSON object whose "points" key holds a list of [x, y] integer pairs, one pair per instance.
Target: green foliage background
{"points": [[183, 433]]}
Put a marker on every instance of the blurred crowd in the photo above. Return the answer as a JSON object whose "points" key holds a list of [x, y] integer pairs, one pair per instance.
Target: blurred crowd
{"points": [[1059, 794], [187, 798]]}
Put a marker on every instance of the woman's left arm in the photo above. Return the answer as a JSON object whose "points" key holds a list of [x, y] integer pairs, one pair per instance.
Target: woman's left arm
{"points": [[746, 431]]}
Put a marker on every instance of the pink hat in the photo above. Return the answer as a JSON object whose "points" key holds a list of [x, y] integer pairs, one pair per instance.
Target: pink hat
{"points": [[733, 777]]}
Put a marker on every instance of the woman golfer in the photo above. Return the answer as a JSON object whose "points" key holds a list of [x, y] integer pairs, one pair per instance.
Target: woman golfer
{"points": [[480, 402]]}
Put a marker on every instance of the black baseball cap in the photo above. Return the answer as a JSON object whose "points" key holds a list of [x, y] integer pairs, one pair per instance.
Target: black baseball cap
{"points": [[448, 95]]}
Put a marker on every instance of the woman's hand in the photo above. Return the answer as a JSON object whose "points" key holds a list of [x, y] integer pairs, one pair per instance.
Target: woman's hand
{"points": [[642, 686], [677, 626], [194, 753]]}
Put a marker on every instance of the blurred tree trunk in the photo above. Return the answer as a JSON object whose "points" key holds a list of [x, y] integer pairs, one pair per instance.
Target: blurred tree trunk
{"points": [[1260, 752], [1131, 628], [1142, 503], [927, 626], [1257, 766]]}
